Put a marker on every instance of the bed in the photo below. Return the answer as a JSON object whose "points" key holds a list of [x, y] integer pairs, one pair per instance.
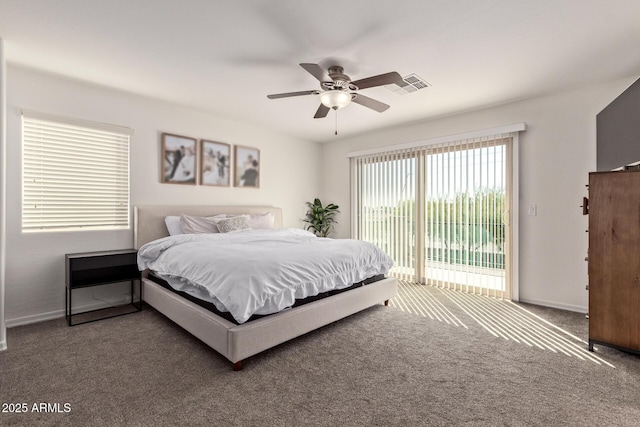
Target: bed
{"points": [[234, 341]]}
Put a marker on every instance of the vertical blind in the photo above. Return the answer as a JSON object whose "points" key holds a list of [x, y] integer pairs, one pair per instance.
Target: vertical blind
{"points": [[75, 174], [385, 210], [439, 211]]}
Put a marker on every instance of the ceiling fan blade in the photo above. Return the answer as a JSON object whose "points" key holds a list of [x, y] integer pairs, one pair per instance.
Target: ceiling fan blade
{"points": [[288, 94], [381, 80], [370, 103], [317, 71], [322, 112]]}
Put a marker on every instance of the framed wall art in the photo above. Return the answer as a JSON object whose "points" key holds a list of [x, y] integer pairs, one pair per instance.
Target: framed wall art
{"points": [[179, 159], [247, 167], [215, 163]]}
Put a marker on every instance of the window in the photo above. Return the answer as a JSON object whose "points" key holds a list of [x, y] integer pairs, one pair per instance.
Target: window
{"points": [[75, 174]]}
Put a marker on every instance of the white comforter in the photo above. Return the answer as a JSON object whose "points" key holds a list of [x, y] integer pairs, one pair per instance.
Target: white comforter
{"points": [[260, 271]]}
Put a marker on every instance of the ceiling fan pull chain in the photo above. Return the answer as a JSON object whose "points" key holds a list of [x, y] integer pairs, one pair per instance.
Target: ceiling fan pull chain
{"points": [[336, 121]]}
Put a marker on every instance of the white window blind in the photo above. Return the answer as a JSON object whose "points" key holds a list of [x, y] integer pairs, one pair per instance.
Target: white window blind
{"points": [[438, 210], [385, 194], [75, 174]]}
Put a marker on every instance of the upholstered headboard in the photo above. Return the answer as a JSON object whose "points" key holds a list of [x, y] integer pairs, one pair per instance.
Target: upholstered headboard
{"points": [[148, 220]]}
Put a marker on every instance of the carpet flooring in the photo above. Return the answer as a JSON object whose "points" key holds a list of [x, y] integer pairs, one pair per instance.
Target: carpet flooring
{"points": [[459, 360]]}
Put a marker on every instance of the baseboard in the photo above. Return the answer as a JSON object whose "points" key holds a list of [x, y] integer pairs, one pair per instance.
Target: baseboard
{"points": [[3, 345], [554, 304], [41, 317], [34, 318]]}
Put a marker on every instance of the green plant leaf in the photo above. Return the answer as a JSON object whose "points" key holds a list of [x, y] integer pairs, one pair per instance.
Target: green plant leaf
{"points": [[320, 218]]}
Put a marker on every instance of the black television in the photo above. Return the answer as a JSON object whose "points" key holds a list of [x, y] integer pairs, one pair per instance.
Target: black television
{"points": [[618, 131]]}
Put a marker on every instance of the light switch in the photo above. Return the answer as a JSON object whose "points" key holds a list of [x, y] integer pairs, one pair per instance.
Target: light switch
{"points": [[533, 210]]}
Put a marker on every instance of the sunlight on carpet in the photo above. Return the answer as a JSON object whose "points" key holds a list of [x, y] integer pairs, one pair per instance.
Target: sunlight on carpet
{"points": [[501, 318], [419, 299]]}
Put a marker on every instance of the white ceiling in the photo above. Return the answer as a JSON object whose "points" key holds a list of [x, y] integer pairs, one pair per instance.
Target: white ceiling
{"points": [[226, 56]]}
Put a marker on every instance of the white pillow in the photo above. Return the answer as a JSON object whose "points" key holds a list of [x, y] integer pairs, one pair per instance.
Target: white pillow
{"points": [[199, 225], [255, 222], [236, 223], [173, 225], [261, 222]]}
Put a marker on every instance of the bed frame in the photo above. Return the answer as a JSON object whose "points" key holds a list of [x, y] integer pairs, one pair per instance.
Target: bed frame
{"points": [[238, 342]]}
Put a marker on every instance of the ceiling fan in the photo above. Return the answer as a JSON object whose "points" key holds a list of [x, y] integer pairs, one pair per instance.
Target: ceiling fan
{"points": [[338, 91]]}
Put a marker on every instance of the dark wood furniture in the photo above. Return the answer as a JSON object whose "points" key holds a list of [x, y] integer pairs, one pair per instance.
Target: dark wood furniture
{"points": [[101, 268], [614, 259]]}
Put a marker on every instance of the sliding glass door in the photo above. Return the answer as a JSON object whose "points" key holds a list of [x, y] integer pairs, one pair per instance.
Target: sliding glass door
{"points": [[386, 189], [440, 211]]}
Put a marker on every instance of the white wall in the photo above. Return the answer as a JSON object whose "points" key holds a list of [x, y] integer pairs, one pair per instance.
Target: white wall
{"points": [[35, 261], [557, 152], [3, 183]]}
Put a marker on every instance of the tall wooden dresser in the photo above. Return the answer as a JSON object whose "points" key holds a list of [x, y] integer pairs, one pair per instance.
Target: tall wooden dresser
{"points": [[614, 259]]}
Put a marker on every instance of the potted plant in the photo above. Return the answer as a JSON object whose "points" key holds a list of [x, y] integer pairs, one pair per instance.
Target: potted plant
{"points": [[320, 218]]}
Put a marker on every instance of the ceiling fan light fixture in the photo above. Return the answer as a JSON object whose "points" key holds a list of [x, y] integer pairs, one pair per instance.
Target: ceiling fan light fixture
{"points": [[335, 99]]}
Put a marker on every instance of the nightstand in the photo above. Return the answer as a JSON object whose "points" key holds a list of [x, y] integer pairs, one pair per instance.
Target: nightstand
{"points": [[101, 268]]}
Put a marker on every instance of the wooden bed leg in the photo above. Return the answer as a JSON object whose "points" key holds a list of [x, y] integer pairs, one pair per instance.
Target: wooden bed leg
{"points": [[237, 366], [386, 302]]}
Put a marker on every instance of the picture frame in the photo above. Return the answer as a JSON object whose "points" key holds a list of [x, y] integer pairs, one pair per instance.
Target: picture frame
{"points": [[247, 167], [179, 159], [215, 163]]}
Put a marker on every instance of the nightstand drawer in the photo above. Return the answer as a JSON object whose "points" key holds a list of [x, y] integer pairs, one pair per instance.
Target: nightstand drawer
{"points": [[79, 262], [95, 268]]}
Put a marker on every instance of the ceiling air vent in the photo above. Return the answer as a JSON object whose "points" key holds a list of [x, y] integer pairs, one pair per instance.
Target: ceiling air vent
{"points": [[414, 84]]}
